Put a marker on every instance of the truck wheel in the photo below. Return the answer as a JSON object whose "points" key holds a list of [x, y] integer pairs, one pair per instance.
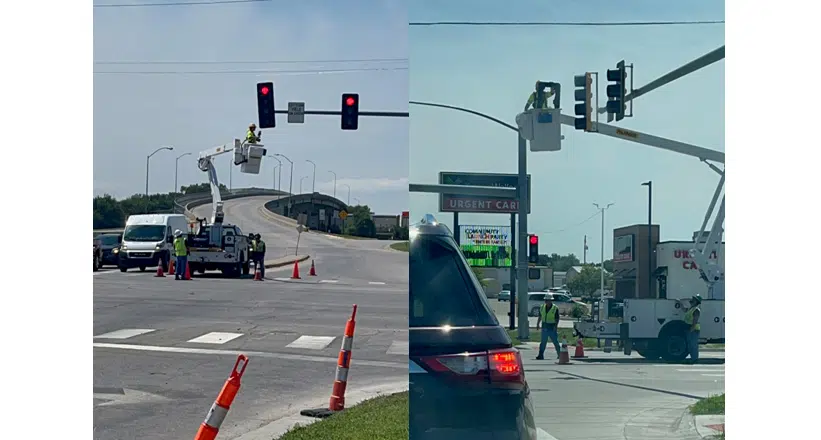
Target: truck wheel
{"points": [[246, 267], [123, 269], [673, 345], [97, 264], [142, 268], [165, 259], [534, 312], [650, 353]]}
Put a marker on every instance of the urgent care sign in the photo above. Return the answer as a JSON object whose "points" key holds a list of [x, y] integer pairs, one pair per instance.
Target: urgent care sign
{"points": [[478, 204]]}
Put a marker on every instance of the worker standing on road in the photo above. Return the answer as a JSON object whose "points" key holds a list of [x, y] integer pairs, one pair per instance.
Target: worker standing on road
{"points": [[181, 252], [538, 99], [549, 320], [260, 255], [250, 137], [691, 318], [252, 250]]}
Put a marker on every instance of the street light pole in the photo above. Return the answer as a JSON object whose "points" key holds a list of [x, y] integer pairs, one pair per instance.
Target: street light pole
{"points": [[277, 187], [313, 184], [349, 193], [601, 269], [649, 185], [300, 183], [334, 182], [177, 170], [147, 160], [358, 202], [291, 185]]}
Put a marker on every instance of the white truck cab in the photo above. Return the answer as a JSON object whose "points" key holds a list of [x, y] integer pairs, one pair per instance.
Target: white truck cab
{"points": [[148, 240]]}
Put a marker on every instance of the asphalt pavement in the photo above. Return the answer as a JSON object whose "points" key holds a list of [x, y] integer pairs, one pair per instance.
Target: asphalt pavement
{"points": [[617, 397], [164, 348]]}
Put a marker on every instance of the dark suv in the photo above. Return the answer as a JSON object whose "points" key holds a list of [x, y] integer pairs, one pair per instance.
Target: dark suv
{"points": [[467, 380]]}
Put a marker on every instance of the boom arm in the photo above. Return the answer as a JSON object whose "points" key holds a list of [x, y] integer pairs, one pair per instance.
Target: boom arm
{"points": [[206, 164]]}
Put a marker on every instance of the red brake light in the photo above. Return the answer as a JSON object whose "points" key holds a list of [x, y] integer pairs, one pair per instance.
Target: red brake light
{"points": [[498, 365]]}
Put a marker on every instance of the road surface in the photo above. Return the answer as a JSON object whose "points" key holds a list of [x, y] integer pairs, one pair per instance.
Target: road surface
{"points": [[163, 348]]}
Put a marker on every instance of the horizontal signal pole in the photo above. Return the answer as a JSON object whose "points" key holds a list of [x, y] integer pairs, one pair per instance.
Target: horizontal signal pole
{"points": [[339, 113]]}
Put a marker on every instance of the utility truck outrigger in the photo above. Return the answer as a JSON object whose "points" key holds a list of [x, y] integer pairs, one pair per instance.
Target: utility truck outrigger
{"points": [[218, 245]]}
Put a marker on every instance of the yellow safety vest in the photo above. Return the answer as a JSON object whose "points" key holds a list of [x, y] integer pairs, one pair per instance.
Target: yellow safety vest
{"points": [[260, 247], [179, 247], [536, 102], [688, 318], [253, 245], [549, 316], [250, 137]]}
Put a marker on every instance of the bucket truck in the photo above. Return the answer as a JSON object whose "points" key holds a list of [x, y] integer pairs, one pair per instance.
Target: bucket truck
{"points": [[218, 245], [655, 327]]}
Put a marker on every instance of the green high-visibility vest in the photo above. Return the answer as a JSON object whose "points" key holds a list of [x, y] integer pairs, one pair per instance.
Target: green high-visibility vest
{"points": [[179, 247], [688, 318], [253, 245], [549, 316], [260, 247]]}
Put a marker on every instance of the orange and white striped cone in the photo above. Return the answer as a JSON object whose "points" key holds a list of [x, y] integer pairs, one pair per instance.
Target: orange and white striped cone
{"points": [[564, 355], [171, 267], [579, 354], [343, 365], [258, 274], [160, 273], [219, 409]]}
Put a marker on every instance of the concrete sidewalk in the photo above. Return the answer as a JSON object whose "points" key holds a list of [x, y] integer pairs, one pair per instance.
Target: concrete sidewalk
{"points": [[709, 426]]}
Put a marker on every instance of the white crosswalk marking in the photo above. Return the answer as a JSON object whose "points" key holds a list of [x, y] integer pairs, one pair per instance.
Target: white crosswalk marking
{"points": [[124, 333], [215, 338], [312, 342], [376, 283], [706, 371], [328, 281]]}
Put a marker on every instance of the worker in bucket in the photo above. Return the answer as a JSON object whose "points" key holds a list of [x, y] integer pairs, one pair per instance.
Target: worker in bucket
{"points": [[260, 255], [691, 318], [250, 137], [549, 320], [181, 252], [538, 99]]}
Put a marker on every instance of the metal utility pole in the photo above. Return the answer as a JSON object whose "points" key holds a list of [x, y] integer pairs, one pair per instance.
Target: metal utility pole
{"points": [[277, 182], [349, 193], [601, 269], [649, 185], [313, 183], [177, 170], [291, 185], [300, 183], [147, 160], [334, 182]]}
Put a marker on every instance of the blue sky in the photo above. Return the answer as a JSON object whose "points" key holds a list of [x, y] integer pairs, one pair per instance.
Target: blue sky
{"points": [[492, 70], [135, 114]]}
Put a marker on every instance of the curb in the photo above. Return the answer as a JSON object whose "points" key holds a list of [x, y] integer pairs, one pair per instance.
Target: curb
{"points": [[284, 221], [286, 263], [279, 427], [535, 345], [704, 425]]}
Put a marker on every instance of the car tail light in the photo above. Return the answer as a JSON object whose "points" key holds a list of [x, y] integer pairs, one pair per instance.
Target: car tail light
{"points": [[499, 366]]}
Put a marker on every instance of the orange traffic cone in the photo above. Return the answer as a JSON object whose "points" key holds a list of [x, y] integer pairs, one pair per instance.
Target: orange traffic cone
{"points": [[258, 274], [312, 272], [160, 273], [171, 267], [187, 272], [564, 356], [295, 275], [579, 354]]}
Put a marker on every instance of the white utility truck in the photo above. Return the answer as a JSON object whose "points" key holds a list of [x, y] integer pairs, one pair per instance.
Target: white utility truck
{"points": [[218, 245]]}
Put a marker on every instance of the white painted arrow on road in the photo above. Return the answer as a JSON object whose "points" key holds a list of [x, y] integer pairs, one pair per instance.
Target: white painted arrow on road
{"points": [[128, 397]]}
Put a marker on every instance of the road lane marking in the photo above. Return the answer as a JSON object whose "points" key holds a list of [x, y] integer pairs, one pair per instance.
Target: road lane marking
{"points": [[312, 342], [215, 338], [713, 375], [261, 354], [124, 333], [376, 283], [399, 347], [541, 434], [328, 281], [700, 370]]}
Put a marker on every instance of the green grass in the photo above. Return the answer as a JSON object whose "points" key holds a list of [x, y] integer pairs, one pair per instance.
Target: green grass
{"points": [[401, 246], [713, 405], [380, 418], [564, 333]]}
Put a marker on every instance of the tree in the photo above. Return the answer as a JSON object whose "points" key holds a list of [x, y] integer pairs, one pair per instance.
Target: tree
{"points": [[586, 282], [196, 188], [359, 222], [561, 263], [401, 233]]}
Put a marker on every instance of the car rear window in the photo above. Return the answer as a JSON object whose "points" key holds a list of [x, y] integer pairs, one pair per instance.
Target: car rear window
{"points": [[442, 290]]}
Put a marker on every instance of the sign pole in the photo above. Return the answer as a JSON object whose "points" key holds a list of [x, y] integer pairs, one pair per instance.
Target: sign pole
{"points": [[512, 314], [521, 260]]}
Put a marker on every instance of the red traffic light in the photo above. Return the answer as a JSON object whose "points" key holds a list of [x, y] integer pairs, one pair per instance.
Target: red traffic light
{"points": [[264, 90], [350, 101], [534, 239]]}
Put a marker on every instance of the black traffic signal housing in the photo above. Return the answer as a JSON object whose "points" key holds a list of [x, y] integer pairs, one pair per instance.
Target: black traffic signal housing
{"points": [[583, 94], [616, 91], [350, 111], [265, 105], [533, 249]]}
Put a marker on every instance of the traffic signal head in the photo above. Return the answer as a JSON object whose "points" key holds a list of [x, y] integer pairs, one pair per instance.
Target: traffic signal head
{"points": [[350, 111], [533, 251], [617, 90], [583, 95], [265, 105]]}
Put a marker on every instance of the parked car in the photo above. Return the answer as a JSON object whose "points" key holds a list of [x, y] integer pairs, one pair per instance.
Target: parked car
{"points": [[98, 255], [504, 295], [466, 379], [110, 244], [564, 302]]}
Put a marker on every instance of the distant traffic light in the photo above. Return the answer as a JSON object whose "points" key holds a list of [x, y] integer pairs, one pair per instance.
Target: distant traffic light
{"points": [[265, 105], [533, 251], [617, 90], [350, 111], [583, 95]]}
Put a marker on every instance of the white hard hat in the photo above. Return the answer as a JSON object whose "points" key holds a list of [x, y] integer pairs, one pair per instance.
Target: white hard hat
{"points": [[548, 297], [177, 233]]}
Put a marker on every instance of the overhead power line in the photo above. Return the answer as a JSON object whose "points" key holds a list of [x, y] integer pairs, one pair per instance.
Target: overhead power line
{"points": [[595, 214], [149, 62], [564, 23], [192, 3], [245, 72]]}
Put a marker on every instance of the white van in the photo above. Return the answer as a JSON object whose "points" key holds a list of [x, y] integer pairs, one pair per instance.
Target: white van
{"points": [[148, 239]]}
